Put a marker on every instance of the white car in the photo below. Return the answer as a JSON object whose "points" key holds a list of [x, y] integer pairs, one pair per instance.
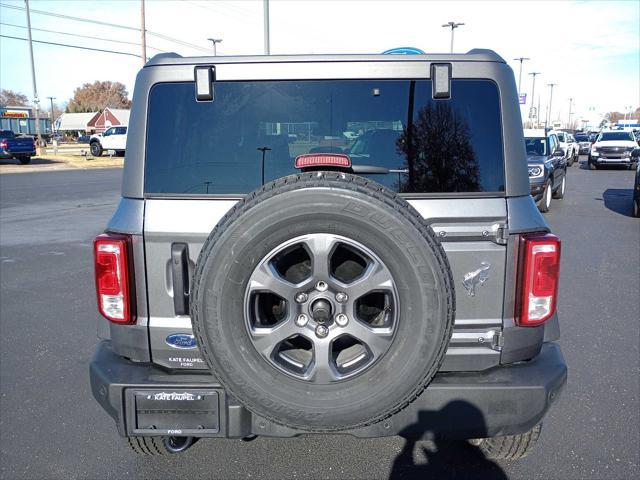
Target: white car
{"points": [[613, 147], [569, 145], [114, 138]]}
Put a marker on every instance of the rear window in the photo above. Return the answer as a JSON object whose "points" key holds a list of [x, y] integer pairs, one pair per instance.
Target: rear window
{"points": [[582, 138], [252, 132]]}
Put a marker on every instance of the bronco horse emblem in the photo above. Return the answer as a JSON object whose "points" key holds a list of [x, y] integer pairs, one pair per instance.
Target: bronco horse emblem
{"points": [[475, 278]]}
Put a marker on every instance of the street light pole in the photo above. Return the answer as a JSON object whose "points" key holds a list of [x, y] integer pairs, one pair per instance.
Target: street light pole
{"points": [[36, 100], [533, 96], [143, 30], [520, 59], [267, 47], [550, 101], [51, 99], [452, 26], [570, 104], [214, 41]]}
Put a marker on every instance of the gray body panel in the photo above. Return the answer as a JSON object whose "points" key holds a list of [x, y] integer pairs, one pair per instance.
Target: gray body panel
{"points": [[475, 230]]}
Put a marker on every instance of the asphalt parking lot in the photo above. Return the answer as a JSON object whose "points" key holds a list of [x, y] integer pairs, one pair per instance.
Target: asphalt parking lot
{"points": [[52, 428]]}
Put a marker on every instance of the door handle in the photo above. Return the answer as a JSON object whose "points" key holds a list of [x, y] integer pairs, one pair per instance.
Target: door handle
{"points": [[180, 277]]}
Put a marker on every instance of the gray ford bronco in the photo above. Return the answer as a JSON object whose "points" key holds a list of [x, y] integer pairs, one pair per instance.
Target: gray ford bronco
{"points": [[327, 244]]}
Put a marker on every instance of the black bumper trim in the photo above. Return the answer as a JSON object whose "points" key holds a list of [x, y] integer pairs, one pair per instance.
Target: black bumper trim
{"points": [[505, 400]]}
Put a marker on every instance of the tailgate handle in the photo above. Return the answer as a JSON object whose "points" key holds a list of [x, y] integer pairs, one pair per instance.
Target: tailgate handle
{"points": [[180, 277]]}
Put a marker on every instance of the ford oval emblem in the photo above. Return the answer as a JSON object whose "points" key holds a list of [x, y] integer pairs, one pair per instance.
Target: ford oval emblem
{"points": [[183, 341]]}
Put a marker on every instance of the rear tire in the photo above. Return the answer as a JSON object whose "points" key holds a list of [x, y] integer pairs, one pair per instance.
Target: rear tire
{"points": [[159, 445], [96, 149], [509, 447], [24, 160], [347, 208]]}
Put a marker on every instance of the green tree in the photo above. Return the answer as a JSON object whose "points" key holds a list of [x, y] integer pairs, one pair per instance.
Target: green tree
{"points": [[92, 97]]}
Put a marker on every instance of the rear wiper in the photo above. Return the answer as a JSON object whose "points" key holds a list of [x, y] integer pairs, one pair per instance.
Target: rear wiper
{"points": [[373, 170]]}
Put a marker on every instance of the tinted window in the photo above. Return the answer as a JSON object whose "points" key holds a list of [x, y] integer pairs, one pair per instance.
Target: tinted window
{"points": [[616, 136], [561, 137], [582, 138], [224, 146]]}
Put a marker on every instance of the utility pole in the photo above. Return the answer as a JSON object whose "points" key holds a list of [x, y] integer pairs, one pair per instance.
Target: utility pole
{"points": [[214, 41], [550, 101], [453, 26], [570, 104], [51, 99], [143, 31], [533, 96], [520, 59], [267, 47], [36, 100]]}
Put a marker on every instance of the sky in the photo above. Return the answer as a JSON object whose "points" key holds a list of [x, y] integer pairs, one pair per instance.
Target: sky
{"points": [[590, 49]]}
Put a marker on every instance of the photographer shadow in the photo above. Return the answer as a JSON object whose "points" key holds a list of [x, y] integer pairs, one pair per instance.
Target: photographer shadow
{"points": [[433, 451]]}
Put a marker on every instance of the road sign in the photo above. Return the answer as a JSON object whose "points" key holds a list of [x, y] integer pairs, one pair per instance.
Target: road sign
{"points": [[522, 98]]}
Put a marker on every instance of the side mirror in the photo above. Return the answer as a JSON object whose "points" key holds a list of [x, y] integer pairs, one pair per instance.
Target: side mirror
{"points": [[558, 152], [635, 153]]}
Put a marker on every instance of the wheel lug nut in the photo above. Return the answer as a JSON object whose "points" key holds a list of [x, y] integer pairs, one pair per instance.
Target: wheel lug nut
{"points": [[342, 320], [322, 331], [302, 320], [301, 297], [321, 286], [341, 297]]}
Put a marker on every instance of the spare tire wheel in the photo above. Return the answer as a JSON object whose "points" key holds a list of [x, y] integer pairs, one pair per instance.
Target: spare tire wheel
{"points": [[323, 302]]}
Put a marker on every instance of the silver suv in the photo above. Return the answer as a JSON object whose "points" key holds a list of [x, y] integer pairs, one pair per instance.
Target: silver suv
{"points": [[327, 244]]}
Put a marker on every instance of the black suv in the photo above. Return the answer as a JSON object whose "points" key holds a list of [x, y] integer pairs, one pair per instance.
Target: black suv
{"points": [[327, 244], [547, 167]]}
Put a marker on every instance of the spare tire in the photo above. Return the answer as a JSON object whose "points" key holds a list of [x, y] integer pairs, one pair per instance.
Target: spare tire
{"points": [[323, 302]]}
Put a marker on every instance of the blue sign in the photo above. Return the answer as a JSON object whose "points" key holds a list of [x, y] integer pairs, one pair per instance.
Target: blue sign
{"points": [[404, 51], [522, 98]]}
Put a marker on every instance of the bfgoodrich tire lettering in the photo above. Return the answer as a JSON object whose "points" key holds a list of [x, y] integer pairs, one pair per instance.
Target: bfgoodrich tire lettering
{"points": [[351, 207]]}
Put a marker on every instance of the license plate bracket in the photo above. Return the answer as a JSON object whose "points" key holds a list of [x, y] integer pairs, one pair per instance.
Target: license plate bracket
{"points": [[178, 412]]}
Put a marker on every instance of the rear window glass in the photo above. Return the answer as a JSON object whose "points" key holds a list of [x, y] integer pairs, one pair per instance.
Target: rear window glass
{"points": [[252, 132]]}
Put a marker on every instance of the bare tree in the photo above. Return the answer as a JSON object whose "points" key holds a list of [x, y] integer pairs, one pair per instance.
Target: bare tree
{"points": [[98, 95], [9, 97]]}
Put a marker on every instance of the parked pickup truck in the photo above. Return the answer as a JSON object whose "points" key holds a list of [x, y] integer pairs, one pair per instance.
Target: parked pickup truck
{"points": [[21, 148], [114, 138]]}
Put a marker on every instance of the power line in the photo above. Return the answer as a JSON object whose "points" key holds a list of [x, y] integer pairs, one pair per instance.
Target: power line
{"points": [[72, 46], [68, 17], [106, 24], [80, 36]]}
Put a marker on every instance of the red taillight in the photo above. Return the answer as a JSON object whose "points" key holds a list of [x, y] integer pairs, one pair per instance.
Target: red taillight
{"points": [[539, 271], [114, 277], [323, 160], [3, 144]]}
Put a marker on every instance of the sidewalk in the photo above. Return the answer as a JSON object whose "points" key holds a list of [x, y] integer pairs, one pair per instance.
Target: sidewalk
{"points": [[48, 162]]}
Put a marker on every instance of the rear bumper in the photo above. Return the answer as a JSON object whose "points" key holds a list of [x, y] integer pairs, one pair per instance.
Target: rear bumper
{"points": [[509, 399], [6, 154]]}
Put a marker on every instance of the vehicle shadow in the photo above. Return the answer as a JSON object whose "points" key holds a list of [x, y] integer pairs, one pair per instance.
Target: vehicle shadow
{"points": [[429, 454], [34, 161], [619, 200]]}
